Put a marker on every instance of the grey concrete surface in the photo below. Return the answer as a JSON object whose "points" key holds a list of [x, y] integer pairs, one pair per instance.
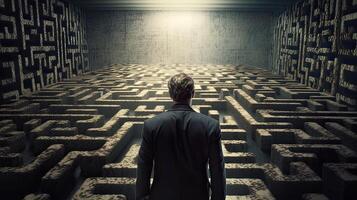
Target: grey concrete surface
{"points": [[199, 37]]}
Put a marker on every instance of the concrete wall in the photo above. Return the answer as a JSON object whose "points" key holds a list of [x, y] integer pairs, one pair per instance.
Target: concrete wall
{"points": [[217, 37], [41, 42], [315, 44]]}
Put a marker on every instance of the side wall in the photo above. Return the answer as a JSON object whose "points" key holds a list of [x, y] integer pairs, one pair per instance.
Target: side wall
{"points": [[315, 43], [42, 42], [200, 37]]}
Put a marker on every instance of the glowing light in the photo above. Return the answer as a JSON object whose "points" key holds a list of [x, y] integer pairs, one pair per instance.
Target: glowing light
{"points": [[185, 4], [181, 4], [181, 20]]}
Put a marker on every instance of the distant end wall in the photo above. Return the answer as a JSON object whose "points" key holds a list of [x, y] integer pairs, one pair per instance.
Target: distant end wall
{"points": [[192, 37]]}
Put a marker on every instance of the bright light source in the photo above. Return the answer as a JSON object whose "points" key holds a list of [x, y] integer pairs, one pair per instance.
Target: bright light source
{"points": [[181, 20], [262, 5], [182, 4]]}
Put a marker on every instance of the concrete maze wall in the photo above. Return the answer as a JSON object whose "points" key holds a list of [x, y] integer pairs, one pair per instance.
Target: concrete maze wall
{"points": [[42, 42], [79, 138], [315, 43]]}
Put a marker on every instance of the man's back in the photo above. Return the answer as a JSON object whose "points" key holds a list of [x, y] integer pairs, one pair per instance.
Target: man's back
{"points": [[181, 142]]}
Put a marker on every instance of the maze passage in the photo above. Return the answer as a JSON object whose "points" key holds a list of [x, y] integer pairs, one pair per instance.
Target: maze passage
{"points": [[79, 138]]}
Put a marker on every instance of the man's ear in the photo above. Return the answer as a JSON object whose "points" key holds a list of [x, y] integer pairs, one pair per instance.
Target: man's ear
{"points": [[193, 93]]}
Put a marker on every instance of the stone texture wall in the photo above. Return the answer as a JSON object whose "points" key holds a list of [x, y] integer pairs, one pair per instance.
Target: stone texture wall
{"points": [[42, 42], [218, 37], [315, 43]]}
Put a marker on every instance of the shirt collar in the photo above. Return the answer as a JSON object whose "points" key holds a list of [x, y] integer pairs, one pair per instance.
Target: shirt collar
{"points": [[180, 106]]}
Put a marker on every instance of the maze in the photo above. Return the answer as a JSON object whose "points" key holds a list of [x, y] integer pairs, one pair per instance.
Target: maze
{"points": [[79, 138], [42, 42], [315, 43]]}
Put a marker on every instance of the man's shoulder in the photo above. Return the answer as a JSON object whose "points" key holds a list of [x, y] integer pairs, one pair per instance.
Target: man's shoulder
{"points": [[203, 117], [158, 117], [168, 115]]}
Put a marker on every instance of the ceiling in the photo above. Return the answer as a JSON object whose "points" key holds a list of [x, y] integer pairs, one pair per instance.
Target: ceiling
{"points": [[261, 5]]}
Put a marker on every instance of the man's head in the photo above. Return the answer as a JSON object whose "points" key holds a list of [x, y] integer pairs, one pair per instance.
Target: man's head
{"points": [[181, 88]]}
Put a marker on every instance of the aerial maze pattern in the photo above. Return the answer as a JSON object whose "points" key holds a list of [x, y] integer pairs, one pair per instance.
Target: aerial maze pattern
{"points": [[41, 42], [316, 44], [79, 138]]}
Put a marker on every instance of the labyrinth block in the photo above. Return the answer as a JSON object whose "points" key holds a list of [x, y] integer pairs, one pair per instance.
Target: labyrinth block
{"points": [[233, 134], [37, 197], [24, 179], [348, 137], [340, 180], [280, 139], [312, 154], [228, 122], [143, 110], [126, 167], [298, 118], [252, 105], [247, 189], [266, 137], [247, 121], [313, 134], [299, 180], [214, 114], [107, 188], [317, 134]]}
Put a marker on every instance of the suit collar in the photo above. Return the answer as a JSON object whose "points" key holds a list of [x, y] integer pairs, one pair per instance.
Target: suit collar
{"points": [[180, 106]]}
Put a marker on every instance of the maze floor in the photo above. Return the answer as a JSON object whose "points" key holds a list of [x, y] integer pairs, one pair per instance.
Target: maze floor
{"points": [[79, 139]]}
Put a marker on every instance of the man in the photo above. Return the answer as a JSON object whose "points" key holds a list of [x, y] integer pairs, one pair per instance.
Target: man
{"points": [[181, 143]]}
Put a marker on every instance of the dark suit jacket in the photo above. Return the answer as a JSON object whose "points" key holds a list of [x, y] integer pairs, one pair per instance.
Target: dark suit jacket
{"points": [[181, 143]]}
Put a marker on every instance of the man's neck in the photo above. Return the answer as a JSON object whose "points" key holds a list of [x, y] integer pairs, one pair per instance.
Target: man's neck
{"points": [[184, 102]]}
